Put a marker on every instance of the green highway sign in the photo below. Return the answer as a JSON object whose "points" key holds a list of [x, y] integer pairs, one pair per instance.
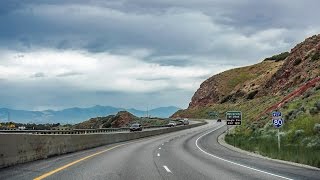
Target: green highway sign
{"points": [[213, 114], [234, 117]]}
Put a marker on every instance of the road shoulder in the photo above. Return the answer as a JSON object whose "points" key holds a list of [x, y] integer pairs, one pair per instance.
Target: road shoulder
{"points": [[222, 142]]}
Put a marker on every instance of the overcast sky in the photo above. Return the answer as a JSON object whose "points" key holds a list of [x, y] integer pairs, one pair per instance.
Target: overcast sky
{"points": [[136, 53]]}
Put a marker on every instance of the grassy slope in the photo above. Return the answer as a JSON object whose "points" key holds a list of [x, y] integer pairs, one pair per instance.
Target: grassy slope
{"points": [[300, 138], [246, 78], [300, 135]]}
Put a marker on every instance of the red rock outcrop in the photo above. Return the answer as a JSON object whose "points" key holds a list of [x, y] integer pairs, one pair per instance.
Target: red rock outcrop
{"points": [[265, 78]]}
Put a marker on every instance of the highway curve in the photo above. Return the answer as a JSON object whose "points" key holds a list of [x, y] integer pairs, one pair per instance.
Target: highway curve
{"points": [[188, 154]]}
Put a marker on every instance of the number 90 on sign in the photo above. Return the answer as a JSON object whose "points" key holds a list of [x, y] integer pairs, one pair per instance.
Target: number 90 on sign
{"points": [[277, 122]]}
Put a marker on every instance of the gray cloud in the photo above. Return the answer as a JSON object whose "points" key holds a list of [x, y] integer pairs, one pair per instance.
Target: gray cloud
{"points": [[69, 74], [38, 75], [150, 38]]}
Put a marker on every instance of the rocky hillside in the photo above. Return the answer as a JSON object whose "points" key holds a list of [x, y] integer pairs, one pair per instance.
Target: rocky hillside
{"points": [[277, 76], [288, 82], [302, 64], [121, 119], [234, 84]]}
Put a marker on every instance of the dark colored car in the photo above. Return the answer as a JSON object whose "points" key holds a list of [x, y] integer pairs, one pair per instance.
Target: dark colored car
{"points": [[135, 127], [219, 120]]}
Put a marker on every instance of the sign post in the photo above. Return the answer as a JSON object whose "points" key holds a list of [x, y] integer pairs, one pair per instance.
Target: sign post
{"points": [[277, 122], [233, 118], [279, 147]]}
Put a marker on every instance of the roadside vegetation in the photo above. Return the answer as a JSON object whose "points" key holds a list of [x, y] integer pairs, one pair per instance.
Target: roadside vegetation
{"points": [[300, 135]]}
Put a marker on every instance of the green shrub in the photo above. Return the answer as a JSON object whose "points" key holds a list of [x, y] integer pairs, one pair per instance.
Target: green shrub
{"points": [[252, 94], [297, 62], [314, 111], [278, 57], [307, 94], [315, 56], [316, 128], [317, 105], [298, 133]]}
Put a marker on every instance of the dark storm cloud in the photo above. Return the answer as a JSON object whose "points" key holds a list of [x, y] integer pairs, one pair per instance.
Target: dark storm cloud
{"points": [[179, 27], [159, 42]]}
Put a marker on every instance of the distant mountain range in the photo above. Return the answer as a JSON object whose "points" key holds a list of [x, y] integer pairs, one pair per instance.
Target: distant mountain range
{"points": [[76, 115]]}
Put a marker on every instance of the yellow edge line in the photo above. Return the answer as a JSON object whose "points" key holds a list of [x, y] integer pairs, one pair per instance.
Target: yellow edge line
{"points": [[74, 162]]}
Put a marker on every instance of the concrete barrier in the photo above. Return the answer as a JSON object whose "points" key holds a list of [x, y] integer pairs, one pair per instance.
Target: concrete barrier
{"points": [[21, 148]]}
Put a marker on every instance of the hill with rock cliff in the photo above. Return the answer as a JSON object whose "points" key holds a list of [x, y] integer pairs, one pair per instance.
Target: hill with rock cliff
{"points": [[288, 82], [121, 119], [276, 76]]}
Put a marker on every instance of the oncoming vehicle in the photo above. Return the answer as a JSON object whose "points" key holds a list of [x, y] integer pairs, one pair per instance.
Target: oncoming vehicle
{"points": [[135, 127], [171, 124]]}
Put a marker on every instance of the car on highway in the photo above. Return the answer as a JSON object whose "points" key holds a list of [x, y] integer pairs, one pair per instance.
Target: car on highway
{"points": [[180, 122], [185, 122], [171, 124], [135, 127], [219, 120]]}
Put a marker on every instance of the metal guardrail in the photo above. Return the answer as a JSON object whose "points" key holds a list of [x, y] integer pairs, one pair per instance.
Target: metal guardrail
{"points": [[75, 131]]}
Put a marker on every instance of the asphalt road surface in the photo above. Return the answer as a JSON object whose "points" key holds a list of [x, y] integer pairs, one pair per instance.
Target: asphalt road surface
{"points": [[188, 154]]}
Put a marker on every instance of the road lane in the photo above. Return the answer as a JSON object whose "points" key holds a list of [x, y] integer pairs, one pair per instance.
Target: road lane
{"points": [[168, 156]]}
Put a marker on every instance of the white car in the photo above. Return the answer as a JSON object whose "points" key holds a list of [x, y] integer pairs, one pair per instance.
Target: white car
{"points": [[171, 124]]}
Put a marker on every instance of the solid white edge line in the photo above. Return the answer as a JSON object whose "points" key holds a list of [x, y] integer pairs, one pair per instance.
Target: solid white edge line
{"points": [[234, 163], [167, 169]]}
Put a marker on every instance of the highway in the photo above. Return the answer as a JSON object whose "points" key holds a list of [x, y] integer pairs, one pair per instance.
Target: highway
{"points": [[187, 154]]}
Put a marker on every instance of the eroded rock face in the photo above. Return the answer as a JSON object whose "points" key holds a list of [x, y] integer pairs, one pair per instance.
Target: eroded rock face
{"points": [[265, 78], [300, 66], [122, 119], [208, 93]]}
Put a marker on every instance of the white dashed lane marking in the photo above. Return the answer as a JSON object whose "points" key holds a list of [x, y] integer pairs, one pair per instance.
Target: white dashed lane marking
{"points": [[167, 169]]}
